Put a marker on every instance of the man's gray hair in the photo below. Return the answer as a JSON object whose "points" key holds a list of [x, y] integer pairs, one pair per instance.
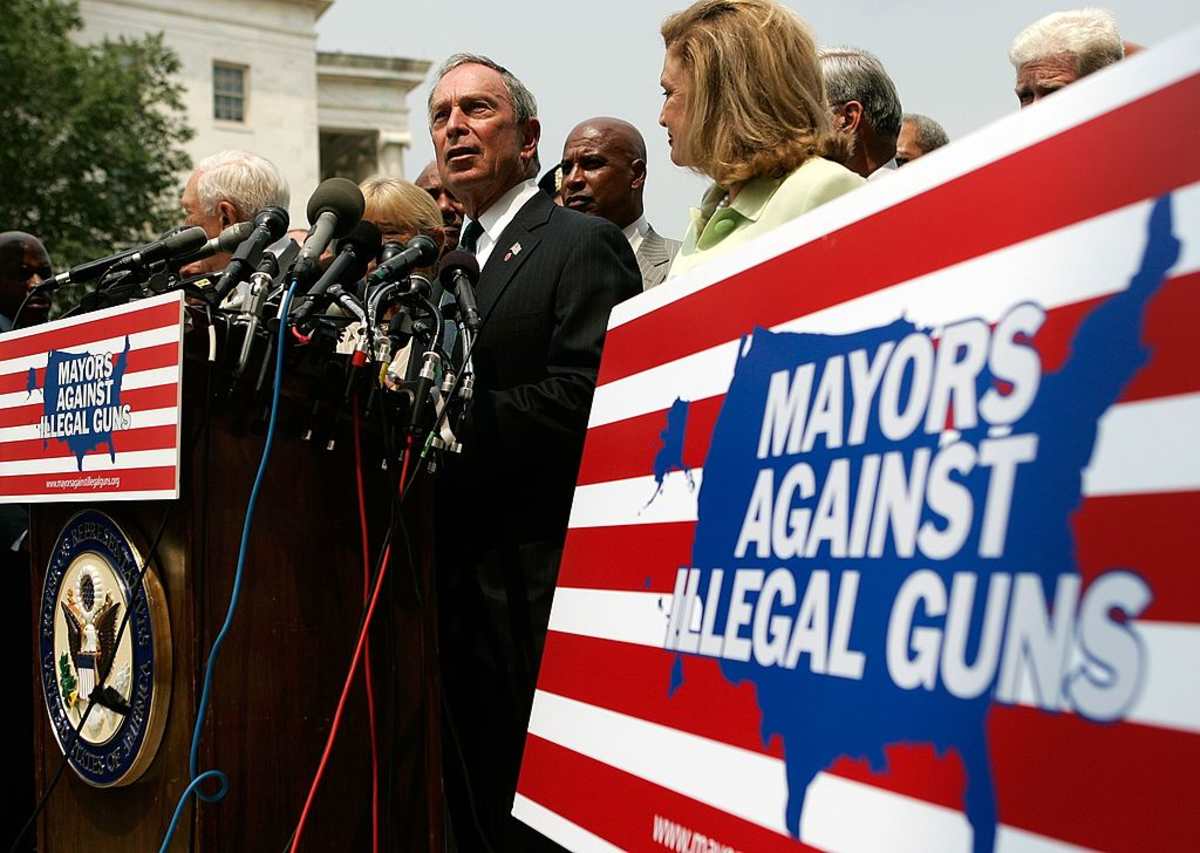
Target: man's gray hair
{"points": [[522, 100], [930, 134], [1090, 35], [856, 75], [245, 180]]}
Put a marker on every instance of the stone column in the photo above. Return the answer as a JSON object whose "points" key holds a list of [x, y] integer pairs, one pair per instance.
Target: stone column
{"points": [[391, 154]]}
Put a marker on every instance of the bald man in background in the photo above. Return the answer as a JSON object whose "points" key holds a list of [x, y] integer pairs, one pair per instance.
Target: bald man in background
{"points": [[451, 208], [24, 264], [604, 174]]}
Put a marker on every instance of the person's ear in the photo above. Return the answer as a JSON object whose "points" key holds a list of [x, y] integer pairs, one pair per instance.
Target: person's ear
{"points": [[638, 167], [226, 214], [849, 116], [532, 133]]}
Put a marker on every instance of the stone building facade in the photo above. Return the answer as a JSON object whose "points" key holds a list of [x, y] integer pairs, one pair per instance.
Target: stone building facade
{"points": [[255, 80]]}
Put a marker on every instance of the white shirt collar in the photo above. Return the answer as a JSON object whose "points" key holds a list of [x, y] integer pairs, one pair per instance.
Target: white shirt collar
{"points": [[884, 170], [498, 216], [636, 231]]}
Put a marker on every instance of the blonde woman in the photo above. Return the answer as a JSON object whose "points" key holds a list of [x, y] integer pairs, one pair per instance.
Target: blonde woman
{"points": [[401, 210], [745, 106]]}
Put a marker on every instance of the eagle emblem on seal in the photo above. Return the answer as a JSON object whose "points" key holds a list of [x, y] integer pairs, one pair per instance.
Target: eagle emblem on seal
{"points": [[91, 634]]}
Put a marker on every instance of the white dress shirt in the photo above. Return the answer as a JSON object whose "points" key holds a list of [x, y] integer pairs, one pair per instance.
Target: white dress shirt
{"points": [[884, 170], [496, 218], [635, 232]]}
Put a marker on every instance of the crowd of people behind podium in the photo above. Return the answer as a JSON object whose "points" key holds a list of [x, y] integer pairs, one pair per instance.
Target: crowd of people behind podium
{"points": [[778, 126]]}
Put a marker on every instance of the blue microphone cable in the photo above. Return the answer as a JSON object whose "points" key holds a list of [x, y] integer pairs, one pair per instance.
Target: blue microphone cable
{"points": [[197, 778]]}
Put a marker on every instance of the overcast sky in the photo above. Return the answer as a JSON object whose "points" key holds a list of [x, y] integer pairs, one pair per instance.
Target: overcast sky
{"points": [[581, 59]]}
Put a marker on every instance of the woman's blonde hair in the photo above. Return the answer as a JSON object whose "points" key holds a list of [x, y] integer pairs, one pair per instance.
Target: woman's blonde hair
{"points": [[403, 206], [756, 105]]}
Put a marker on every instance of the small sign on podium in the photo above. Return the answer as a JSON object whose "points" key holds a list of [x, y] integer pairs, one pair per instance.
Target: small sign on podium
{"points": [[90, 405]]}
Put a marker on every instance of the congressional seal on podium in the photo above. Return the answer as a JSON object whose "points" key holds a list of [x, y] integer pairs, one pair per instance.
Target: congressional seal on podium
{"points": [[91, 585]]}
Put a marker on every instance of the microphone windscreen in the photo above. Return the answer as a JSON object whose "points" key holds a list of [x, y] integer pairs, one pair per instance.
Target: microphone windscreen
{"points": [[366, 238], [340, 197], [427, 248], [232, 237], [458, 260], [274, 219], [186, 241]]}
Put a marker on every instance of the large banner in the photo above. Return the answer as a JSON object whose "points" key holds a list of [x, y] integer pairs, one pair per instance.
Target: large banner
{"points": [[90, 406], [887, 532]]}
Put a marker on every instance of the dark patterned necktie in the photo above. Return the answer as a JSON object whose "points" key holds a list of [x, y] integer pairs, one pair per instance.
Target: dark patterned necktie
{"points": [[470, 236]]}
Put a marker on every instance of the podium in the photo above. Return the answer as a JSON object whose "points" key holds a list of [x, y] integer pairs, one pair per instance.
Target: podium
{"points": [[284, 661]]}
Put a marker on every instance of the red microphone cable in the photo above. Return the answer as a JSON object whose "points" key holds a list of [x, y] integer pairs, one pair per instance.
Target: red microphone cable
{"points": [[358, 650], [367, 669]]}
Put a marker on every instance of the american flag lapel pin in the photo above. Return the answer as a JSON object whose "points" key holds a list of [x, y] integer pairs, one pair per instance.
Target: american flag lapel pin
{"points": [[515, 250]]}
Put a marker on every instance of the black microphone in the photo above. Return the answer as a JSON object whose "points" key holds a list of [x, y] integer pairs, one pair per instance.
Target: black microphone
{"points": [[270, 223], [458, 273], [187, 240], [355, 251], [278, 256], [180, 243], [389, 251], [335, 207], [228, 240], [420, 251]]}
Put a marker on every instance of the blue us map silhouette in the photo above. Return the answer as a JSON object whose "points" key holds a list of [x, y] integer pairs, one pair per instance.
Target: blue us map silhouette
{"points": [[83, 441], [823, 718]]}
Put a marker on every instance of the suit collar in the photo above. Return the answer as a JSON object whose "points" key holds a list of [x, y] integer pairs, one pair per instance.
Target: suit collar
{"points": [[496, 218], [653, 250], [516, 243]]}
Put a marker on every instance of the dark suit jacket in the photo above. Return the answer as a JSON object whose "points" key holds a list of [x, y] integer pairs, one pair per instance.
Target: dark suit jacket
{"points": [[545, 296]]}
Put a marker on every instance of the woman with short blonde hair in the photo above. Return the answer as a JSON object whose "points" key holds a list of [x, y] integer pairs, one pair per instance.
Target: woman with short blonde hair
{"points": [[745, 106], [401, 210]]}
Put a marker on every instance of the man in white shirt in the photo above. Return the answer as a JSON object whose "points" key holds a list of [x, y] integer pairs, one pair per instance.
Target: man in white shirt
{"points": [[604, 174]]}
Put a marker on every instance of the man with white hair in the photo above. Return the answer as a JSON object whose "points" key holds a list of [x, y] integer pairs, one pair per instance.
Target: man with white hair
{"points": [[865, 108], [1060, 48], [227, 188]]}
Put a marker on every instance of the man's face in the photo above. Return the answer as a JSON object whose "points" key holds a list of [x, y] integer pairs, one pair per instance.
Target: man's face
{"points": [[481, 150], [452, 210], [1042, 77], [194, 214], [24, 264], [601, 176], [906, 145], [673, 117]]}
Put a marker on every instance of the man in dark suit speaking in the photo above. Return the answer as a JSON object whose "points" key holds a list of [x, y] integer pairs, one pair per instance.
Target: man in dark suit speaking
{"points": [[549, 278]]}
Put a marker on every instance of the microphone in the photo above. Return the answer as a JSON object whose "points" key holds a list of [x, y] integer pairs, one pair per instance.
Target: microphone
{"points": [[228, 240], [187, 240], [420, 251], [270, 224], [335, 207], [355, 251], [458, 273], [182, 242], [278, 256], [389, 251]]}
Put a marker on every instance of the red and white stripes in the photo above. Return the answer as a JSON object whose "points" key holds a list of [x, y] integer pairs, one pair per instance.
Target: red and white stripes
{"points": [[143, 463], [1047, 206]]}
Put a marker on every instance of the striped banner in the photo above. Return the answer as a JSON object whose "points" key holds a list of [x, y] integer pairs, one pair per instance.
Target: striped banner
{"points": [[90, 405], [885, 530]]}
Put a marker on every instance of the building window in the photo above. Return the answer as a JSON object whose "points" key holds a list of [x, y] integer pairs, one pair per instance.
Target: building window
{"points": [[229, 92]]}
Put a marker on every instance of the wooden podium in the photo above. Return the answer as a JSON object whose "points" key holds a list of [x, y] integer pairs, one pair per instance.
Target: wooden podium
{"points": [[283, 664]]}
